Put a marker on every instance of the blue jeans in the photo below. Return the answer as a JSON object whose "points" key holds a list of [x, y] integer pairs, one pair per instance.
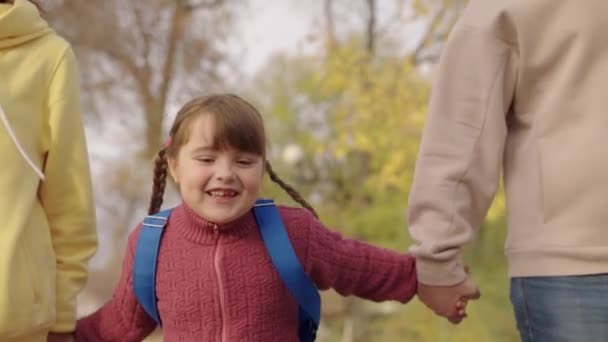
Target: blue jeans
{"points": [[561, 309]]}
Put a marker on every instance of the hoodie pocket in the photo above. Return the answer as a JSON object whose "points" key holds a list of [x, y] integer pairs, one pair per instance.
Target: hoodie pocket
{"points": [[21, 305], [33, 279]]}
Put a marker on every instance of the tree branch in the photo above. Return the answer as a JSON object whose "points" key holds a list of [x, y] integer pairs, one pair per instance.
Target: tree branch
{"points": [[371, 27], [441, 22], [329, 23], [429, 35], [190, 5]]}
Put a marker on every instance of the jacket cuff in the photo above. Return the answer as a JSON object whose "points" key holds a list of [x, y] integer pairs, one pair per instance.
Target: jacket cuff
{"points": [[440, 273], [65, 322]]}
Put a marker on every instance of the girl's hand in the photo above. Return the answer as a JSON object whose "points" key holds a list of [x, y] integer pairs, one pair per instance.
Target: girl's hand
{"points": [[60, 337]]}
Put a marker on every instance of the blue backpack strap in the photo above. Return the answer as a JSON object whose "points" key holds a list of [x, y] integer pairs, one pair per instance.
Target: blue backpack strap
{"points": [[145, 260], [290, 270]]}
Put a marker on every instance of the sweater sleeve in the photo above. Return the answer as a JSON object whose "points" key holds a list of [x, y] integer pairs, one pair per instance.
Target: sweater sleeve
{"points": [[461, 153], [66, 194], [352, 267], [122, 318]]}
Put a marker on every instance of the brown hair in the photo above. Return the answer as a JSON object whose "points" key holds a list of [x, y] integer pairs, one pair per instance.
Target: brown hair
{"points": [[35, 2], [238, 125]]}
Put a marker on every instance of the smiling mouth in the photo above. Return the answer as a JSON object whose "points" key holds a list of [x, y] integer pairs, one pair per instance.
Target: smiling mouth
{"points": [[222, 193]]}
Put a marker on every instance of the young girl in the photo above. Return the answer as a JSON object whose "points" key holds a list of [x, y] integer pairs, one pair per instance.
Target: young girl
{"points": [[215, 280], [47, 233]]}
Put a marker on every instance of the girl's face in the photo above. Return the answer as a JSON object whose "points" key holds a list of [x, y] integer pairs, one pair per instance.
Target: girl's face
{"points": [[219, 185]]}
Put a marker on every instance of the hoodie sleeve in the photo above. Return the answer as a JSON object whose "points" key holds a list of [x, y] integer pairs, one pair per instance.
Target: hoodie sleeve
{"points": [[66, 194], [460, 158]]}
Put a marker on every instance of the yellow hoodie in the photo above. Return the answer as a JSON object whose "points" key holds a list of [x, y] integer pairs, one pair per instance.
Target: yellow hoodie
{"points": [[47, 231]]}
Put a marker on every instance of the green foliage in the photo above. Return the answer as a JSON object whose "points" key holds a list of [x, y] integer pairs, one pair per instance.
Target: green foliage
{"points": [[358, 123]]}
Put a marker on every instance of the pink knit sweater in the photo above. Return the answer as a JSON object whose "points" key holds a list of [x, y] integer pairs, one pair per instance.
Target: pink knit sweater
{"points": [[217, 283]]}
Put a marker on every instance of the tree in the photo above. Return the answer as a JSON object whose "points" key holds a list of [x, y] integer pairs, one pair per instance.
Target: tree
{"points": [[139, 49]]}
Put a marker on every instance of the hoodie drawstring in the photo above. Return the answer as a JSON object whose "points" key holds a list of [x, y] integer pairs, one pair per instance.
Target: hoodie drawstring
{"points": [[19, 147]]}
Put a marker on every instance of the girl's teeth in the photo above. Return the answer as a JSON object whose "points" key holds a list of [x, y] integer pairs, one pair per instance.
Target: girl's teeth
{"points": [[223, 193]]}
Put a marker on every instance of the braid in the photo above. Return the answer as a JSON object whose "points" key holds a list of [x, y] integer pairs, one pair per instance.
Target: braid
{"points": [[158, 187], [289, 189]]}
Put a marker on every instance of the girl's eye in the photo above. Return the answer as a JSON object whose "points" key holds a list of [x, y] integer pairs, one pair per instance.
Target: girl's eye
{"points": [[205, 160], [245, 162]]}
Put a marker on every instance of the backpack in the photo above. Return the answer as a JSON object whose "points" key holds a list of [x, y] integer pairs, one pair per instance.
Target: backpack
{"points": [[277, 244]]}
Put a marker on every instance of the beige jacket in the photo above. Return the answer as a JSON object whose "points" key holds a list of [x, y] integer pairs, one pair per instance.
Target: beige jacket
{"points": [[522, 88]]}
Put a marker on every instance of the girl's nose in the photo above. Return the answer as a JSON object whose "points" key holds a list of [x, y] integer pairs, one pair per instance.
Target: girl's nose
{"points": [[224, 172]]}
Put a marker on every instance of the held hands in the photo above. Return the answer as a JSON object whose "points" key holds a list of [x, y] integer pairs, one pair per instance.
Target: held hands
{"points": [[60, 337], [449, 301]]}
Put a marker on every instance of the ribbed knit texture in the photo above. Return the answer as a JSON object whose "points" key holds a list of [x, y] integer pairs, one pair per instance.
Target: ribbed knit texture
{"points": [[222, 286]]}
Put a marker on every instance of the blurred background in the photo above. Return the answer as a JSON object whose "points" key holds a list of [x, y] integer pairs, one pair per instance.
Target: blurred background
{"points": [[343, 86]]}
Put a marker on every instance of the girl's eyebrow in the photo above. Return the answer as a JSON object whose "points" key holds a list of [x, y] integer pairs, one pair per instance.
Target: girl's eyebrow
{"points": [[248, 155], [204, 149]]}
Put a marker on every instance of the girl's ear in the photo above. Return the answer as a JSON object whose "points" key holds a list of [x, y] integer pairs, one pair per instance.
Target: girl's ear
{"points": [[172, 163]]}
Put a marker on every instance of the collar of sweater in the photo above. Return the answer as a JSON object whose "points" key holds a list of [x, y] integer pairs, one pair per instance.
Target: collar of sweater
{"points": [[201, 231]]}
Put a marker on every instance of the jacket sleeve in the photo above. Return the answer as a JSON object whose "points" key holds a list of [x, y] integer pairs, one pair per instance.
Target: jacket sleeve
{"points": [[121, 318], [352, 267], [66, 194], [460, 157]]}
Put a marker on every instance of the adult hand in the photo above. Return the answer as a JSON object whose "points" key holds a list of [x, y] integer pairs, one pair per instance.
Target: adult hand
{"points": [[444, 300], [60, 337]]}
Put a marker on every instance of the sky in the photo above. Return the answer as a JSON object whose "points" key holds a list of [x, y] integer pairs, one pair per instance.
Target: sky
{"points": [[266, 27]]}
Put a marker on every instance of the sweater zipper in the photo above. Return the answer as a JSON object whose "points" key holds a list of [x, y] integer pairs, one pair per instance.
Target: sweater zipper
{"points": [[218, 273]]}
